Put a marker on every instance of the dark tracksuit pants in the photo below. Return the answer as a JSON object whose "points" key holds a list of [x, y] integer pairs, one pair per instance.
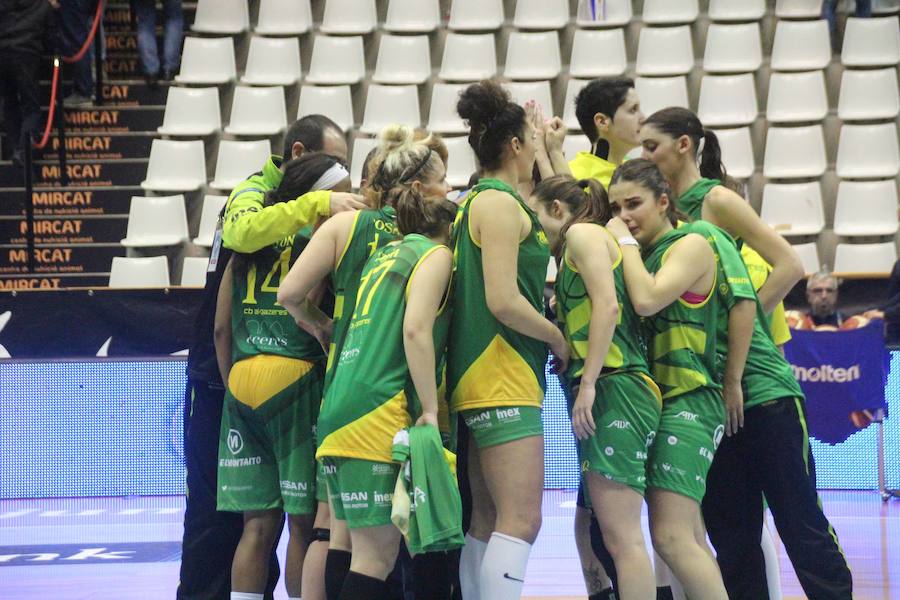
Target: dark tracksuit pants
{"points": [[770, 458], [210, 536]]}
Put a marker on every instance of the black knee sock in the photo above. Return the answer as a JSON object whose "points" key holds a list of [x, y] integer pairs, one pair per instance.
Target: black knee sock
{"points": [[431, 575], [337, 565], [607, 594], [362, 587], [664, 593]]}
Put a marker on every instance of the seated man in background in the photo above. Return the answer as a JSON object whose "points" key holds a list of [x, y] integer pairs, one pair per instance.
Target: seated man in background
{"points": [[822, 296]]}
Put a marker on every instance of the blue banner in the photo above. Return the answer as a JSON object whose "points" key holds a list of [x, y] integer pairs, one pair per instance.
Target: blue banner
{"points": [[843, 374]]}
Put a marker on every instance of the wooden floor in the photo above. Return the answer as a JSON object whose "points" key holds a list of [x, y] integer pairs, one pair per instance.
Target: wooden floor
{"points": [[128, 548]]}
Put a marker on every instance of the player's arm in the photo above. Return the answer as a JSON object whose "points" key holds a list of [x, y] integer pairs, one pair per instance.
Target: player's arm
{"points": [[687, 265], [317, 260], [498, 221], [741, 318], [587, 249], [222, 323], [424, 294], [729, 211]]}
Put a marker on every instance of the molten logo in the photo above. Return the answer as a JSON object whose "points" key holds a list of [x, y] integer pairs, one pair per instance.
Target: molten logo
{"points": [[826, 374]]}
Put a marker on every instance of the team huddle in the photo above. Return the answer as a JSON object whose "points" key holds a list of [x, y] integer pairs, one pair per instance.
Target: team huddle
{"points": [[360, 347]]}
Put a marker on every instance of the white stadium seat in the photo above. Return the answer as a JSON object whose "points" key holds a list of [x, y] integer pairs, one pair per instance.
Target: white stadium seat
{"points": [[727, 100], [221, 17], [539, 91], [284, 17], [156, 221], [402, 59], [209, 218], [732, 48], [257, 111], [468, 57], [442, 116], [868, 151], [797, 97], [272, 61], [238, 160], [666, 12], [793, 208], [413, 16], [175, 166], [361, 148], [665, 51], [541, 14], [868, 94], [149, 272], [661, 92], [461, 162], [337, 60], [809, 257], [737, 151], [588, 44], [866, 208], [572, 88], [801, 46], [349, 17], [603, 13], [865, 259], [193, 271], [333, 101], [793, 152], [573, 144], [191, 112], [207, 61], [736, 10], [475, 15], [871, 42], [533, 55], [387, 104], [798, 9]]}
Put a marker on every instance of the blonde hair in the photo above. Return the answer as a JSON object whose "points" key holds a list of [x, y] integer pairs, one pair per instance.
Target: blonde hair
{"points": [[399, 160]]}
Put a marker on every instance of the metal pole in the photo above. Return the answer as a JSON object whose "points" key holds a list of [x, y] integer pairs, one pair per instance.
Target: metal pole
{"points": [[61, 138], [29, 203]]}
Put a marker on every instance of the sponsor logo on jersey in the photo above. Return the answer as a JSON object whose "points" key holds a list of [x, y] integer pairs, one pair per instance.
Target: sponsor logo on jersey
{"points": [[240, 462], [718, 434], [297, 486], [479, 418], [383, 499], [687, 416], [672, 440], [826, 374], [706, 453], [640, 455], [419, 496], [348, 355], [619, 424], [649, 439], [609, 451], [382, 469], [354, 496], [329, 469], [508, 414], [234, 441]]}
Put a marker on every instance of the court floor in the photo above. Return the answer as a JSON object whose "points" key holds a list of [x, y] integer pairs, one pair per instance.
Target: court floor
{"points": [[129, 548]]}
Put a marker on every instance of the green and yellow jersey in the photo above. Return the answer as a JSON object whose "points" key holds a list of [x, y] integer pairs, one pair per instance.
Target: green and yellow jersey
{"points": [[372, 229], [767, 375], [681, 338], [574, 314], [488, 363], [372, 395], [588, 166], [249, 227], [259, 324]]}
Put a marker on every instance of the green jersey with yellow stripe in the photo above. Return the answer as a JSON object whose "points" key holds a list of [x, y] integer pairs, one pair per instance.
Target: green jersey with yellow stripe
{"points": [[681, 338], [259, 324], [574, 313], [488, 363], [371, 396], [372, 229]]}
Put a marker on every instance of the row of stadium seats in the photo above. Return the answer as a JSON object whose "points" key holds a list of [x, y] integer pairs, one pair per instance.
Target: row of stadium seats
{"points": [[662, 51], [349, 17]]}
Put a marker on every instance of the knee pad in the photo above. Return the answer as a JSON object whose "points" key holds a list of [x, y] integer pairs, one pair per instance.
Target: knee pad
{"points": [[320, 534]]}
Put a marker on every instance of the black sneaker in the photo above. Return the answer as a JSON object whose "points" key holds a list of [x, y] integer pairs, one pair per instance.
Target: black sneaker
{"points": [[168, 75], [152, 81]]}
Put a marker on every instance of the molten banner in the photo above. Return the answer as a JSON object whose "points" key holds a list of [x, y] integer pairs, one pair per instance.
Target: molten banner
{"points": [[841, 373]]}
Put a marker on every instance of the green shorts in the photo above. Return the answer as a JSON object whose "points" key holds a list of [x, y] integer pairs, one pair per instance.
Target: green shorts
{"points": [[626, 413], [690, 430], [498, 425], [321, 485], [267, 438], [361, 492]]}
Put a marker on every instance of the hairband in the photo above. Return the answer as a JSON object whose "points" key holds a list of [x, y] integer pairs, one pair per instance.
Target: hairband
{"points": [[700, 145], [330, 178], [418, 168]]}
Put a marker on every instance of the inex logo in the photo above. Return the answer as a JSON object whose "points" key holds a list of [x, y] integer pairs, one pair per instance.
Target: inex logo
{"points": [[235, 441]]}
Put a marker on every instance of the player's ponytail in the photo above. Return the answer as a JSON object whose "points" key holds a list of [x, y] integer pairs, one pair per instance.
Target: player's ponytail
{"points": [[426, 215], [676, 122], [585, 198]]}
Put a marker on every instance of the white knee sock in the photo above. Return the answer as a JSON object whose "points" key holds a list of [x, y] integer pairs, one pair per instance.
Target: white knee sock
{"points": [[503, 568], [773, 573], [246, 596], [470, 567]]}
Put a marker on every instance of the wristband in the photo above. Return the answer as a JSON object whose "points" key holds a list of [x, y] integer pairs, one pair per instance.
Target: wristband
{"points": [[628, 241]]}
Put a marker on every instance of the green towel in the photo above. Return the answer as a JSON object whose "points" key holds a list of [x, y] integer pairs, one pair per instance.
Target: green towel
{"points": [[426, 508]]}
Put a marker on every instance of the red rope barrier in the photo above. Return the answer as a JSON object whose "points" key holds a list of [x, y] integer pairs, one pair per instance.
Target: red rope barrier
{"points": [[53, 86], [90, 38]]}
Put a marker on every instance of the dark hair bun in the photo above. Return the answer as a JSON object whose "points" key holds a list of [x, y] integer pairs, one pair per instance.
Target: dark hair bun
{"points": [[493, 120], [481, 103]]}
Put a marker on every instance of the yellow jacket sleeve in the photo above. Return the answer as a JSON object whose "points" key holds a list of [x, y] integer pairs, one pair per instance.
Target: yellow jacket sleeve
{"points": [[781, 334], [249, 226]]}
